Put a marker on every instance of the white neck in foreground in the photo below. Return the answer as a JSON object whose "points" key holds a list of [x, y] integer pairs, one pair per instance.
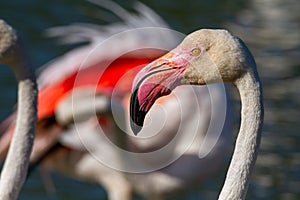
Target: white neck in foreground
{"points": [[248, 140], [14, 171]]}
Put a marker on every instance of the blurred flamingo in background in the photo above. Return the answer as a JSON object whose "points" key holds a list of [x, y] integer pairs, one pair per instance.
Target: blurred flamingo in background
{"points": [[91, 86]]}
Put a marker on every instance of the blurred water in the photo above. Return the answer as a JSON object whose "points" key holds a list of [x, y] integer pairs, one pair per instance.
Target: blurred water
{"points": [[270, 28]]}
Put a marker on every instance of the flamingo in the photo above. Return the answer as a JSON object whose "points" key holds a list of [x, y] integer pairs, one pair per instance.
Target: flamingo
{"points": [[15, 167], [72, 80], [204, 57]]}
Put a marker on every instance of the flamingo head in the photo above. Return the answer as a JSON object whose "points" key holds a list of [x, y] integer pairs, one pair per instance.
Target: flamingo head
{"points": [[8, 40], [12, 52], [204, 56]]}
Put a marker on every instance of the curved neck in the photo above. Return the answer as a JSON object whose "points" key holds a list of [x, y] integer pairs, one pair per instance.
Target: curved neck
{"points": [[248, 140], [15, 167]]}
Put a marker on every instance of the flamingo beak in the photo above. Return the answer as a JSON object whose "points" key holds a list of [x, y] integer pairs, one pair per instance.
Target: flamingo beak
{"points": [[157, 79]]}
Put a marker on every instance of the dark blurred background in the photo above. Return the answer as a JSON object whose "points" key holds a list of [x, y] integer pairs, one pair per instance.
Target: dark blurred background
{"points": [[269, 27]]}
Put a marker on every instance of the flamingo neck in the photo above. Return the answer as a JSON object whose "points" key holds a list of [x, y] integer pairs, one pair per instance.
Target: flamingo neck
{"points": [[16, 164], [248, 140]]}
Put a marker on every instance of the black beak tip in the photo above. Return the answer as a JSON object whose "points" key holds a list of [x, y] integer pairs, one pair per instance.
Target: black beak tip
{"points": [[137, 121], [136, 115], [135, 128]]}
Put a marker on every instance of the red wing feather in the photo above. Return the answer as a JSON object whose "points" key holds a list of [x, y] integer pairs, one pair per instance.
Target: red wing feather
{"points": [[104, 79]]}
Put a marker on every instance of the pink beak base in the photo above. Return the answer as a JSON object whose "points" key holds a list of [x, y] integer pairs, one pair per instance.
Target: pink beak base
{"points": [[157, 79]]}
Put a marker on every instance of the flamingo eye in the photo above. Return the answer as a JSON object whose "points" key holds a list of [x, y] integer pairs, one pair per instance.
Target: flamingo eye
{"points": [[195, 51]]}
